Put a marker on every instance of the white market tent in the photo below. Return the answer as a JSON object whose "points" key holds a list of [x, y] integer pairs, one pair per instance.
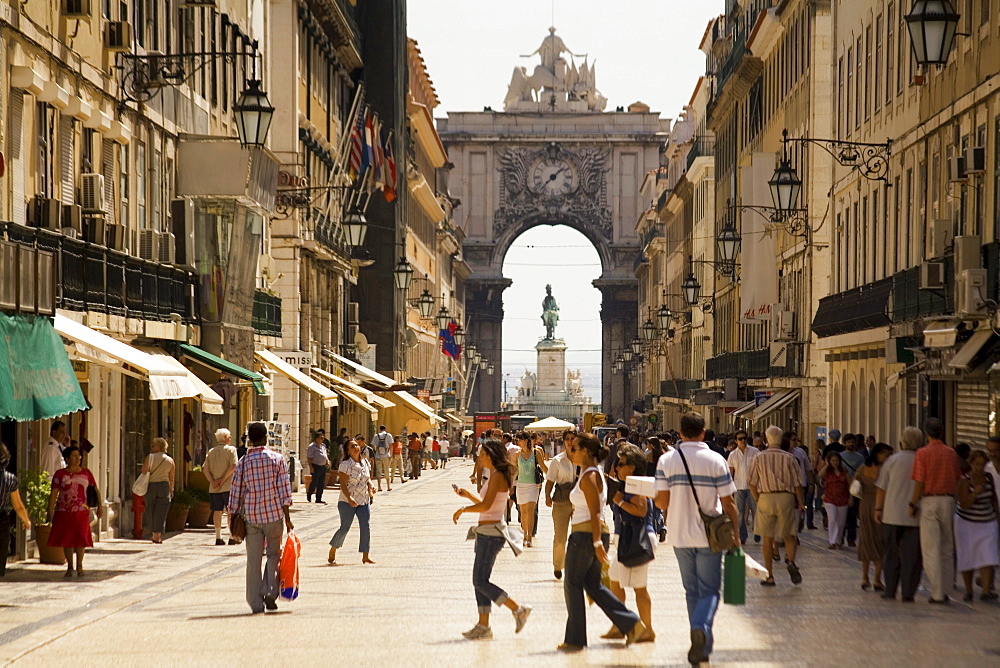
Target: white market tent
{"points": [[550, 424]]}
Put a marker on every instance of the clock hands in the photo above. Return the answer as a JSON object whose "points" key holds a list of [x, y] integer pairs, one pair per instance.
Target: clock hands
{"points": [[553, 175]]}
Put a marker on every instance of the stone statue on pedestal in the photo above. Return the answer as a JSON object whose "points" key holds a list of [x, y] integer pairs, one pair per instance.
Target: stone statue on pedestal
{"points": [[550, 313]]}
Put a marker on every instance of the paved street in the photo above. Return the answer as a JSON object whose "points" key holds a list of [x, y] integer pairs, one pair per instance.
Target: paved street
{"points": [[181, 603]]}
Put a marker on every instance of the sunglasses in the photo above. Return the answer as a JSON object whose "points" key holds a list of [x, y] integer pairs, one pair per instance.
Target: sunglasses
{"points": [[741, 438]]}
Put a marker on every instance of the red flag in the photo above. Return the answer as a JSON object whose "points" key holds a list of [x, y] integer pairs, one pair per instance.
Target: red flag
{"points": [[390, 171], [368, 157]]}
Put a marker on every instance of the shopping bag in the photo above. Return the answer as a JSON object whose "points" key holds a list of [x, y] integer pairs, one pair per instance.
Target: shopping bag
{"points": [[288, 570], [734, 584], [755, 569]]}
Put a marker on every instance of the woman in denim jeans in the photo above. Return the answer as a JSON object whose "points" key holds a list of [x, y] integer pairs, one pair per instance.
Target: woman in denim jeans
{"points": [[588, 550], [356, 492], [491, 534]]}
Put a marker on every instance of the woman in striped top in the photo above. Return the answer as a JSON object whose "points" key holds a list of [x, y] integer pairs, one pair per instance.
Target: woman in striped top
{"points": [[976, 531]]}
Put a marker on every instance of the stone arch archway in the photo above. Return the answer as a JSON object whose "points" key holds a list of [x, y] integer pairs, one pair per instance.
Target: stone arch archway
{"points": [[510, 234]]}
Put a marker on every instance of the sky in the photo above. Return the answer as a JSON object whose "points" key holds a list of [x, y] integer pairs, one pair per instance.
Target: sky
{"points": [[644, 50]]}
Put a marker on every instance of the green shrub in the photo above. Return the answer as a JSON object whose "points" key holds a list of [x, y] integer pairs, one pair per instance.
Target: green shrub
{"points": [[198, 494], [35, 491], [184, 498]]}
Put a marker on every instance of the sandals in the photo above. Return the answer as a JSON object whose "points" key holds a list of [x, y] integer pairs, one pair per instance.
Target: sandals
{"points": [[769, 582], [866, 586]]}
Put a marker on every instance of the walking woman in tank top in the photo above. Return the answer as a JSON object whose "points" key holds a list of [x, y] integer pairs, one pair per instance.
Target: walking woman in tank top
{"points": [[527, 488], [588, 550], [491, 534]]}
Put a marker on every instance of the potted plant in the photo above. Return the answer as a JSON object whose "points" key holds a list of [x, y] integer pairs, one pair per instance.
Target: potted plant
{"points": [[201, 510], [197, 479], [177, 514], [37, 488]]}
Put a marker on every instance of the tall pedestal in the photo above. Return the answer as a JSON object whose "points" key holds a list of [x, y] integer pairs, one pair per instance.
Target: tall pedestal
{"points": [[551, 370]]}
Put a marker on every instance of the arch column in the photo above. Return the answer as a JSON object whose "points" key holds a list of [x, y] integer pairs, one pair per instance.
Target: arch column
{"points": [[619, 322], [484, 328]]}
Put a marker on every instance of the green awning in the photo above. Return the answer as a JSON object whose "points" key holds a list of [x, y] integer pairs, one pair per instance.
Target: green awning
{"points": [[37, 380], [225, 367]]}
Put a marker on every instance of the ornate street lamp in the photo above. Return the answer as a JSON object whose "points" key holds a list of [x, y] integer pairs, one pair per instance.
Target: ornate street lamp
{"points": [[636, 346], [355, 227], [459, 336], [403, 274], [483, 364], [477, 358], [663, 316], [785, 185], [443, 318], [253, 113], [729, 243], [648, 331], [489, 369], [932, 25], [628, 355], [426, 304], [470, 352], [691, 288]]}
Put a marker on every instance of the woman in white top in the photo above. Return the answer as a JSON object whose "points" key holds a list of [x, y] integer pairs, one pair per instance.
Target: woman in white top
{"points": [[491, 535], [588, 550], [356, 492], [160, 467]]}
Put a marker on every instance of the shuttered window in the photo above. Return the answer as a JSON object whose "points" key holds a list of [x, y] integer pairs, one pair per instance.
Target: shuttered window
{"points": [[67, 166], [972, 412], [108, 169], [17, 157]]}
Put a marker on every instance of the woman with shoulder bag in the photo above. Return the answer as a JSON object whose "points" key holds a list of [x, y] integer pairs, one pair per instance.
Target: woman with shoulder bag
{"points": [[530, 460], [160, 467], [70, 512], [630, 566], [587, 550]]}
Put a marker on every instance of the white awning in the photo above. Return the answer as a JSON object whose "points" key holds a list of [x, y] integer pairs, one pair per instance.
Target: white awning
{"points": [[274, 362], [355, 399], [211, 401], [381, 402], [418, 406], [385, 381], [744, 409], [971, 348], [340, 382], [453, 418], [775, 401], [166, 380]]}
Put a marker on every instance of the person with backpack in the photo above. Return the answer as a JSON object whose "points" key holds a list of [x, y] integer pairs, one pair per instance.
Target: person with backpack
{"points": [[383, 456]]}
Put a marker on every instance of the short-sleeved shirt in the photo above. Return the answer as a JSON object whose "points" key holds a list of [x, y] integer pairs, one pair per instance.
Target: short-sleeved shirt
{"points": [[853, 460], [8, 485], [414, 444], [428, 443], [218, 460], [936, 465], [382, 442], [445, 447], [561, 470], [739, 462], [397, 447], [895, 480], [261, 486], [710, 474], [72, 489], [804, 464], [358, 475], [774, 470]]}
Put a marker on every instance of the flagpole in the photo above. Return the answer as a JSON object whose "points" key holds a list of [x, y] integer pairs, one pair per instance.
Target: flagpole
{"points": [[345, 137]]}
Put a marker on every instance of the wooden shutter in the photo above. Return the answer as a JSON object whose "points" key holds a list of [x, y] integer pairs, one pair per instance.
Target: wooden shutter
{"points": [[108, 165], [67, 166], [972, 412], [17, 157]]}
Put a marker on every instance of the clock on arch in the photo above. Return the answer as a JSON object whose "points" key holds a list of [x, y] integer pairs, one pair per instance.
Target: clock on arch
{"points": [[553, 176]]}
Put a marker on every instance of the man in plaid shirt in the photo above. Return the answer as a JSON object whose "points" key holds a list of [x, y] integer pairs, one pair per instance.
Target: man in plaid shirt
{"points": [[262, 491]]}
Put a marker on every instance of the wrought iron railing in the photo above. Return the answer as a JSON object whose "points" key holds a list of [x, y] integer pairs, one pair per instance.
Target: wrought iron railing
{"points": [[758, 363], [909, 302], [681, 388], [703, 146]]}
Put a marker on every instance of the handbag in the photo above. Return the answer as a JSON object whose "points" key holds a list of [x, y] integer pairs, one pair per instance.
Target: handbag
{"points": [[856, 488], [718, 528], [539, 476], [634, 546], [237, 526], [141, 484], [93, 500]]}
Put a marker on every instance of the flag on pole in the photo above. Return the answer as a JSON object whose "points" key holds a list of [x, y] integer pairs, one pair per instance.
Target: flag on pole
{"points": [[367, 156], [357, 138], [378, 155], [390, 171], [448, 345]]}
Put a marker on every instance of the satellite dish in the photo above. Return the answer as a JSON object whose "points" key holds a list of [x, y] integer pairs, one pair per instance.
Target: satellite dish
{"points": [[268, 268], [411, 339], [361, 342]]}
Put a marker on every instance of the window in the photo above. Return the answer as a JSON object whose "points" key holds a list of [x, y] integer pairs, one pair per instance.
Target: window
{"points": [[858, 81], [840, 94], [894, 263], [878, 251], [140, 186], [984, 12], [865, 231], [850, 89], [890, 53], [900, 53], [139, 26], [877, 70], [908, 219], [858, 250], [123, 218], [868, 70], [980, 192], [45, 122]]}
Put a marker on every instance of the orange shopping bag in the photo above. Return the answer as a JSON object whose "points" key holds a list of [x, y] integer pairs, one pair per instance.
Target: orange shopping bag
{"points": [[288, 570]]}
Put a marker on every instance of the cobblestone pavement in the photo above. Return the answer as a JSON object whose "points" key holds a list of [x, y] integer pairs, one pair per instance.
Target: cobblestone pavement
{"points": [[181, 603]]}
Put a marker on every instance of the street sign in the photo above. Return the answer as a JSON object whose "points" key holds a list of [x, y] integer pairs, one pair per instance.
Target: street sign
{"points": [[653, 418], [633, 420]]}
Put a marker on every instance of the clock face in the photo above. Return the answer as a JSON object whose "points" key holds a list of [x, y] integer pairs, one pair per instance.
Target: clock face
{"points": [[553, 177]]}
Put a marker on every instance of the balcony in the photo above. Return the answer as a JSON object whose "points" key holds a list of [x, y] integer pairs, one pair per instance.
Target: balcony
{"points": [[757, 363], [909, 302], [680, 388], [266, 319], [854, 310], [89, 277], [652, 231], [703, 146]]}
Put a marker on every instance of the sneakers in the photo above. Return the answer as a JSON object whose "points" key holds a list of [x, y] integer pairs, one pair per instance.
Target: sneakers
{"points": [[219, 541], [521, 617], [479, 632]]}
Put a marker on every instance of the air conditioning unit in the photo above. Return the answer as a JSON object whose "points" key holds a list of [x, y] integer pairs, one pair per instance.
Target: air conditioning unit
{"points": [[72, 218], [94, 230], [167, 248], [975, 160], [182, 223], [114, 236], [956, 168], [968, 253], [352, 333], [931, 276], [92, 193], [76, 9], [352, 314], [46, 213], [942, 232], [118, 36], [970, 291], [782, 325], [148, 245]]}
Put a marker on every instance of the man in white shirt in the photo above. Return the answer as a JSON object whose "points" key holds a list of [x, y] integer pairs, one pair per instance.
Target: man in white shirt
{"points": [[701, 568], [559, 481], [739, 469], [382, 442], [52, 459], [428, 448], [445, 446]]}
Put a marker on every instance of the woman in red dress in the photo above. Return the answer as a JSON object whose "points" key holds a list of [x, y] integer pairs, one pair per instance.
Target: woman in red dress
{"points": [[69, 512]]}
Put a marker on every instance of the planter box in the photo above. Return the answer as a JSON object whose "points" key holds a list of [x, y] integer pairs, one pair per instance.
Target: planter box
{"points": [[46, 554], [177, 517], [199, 515], [197, 480]]}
